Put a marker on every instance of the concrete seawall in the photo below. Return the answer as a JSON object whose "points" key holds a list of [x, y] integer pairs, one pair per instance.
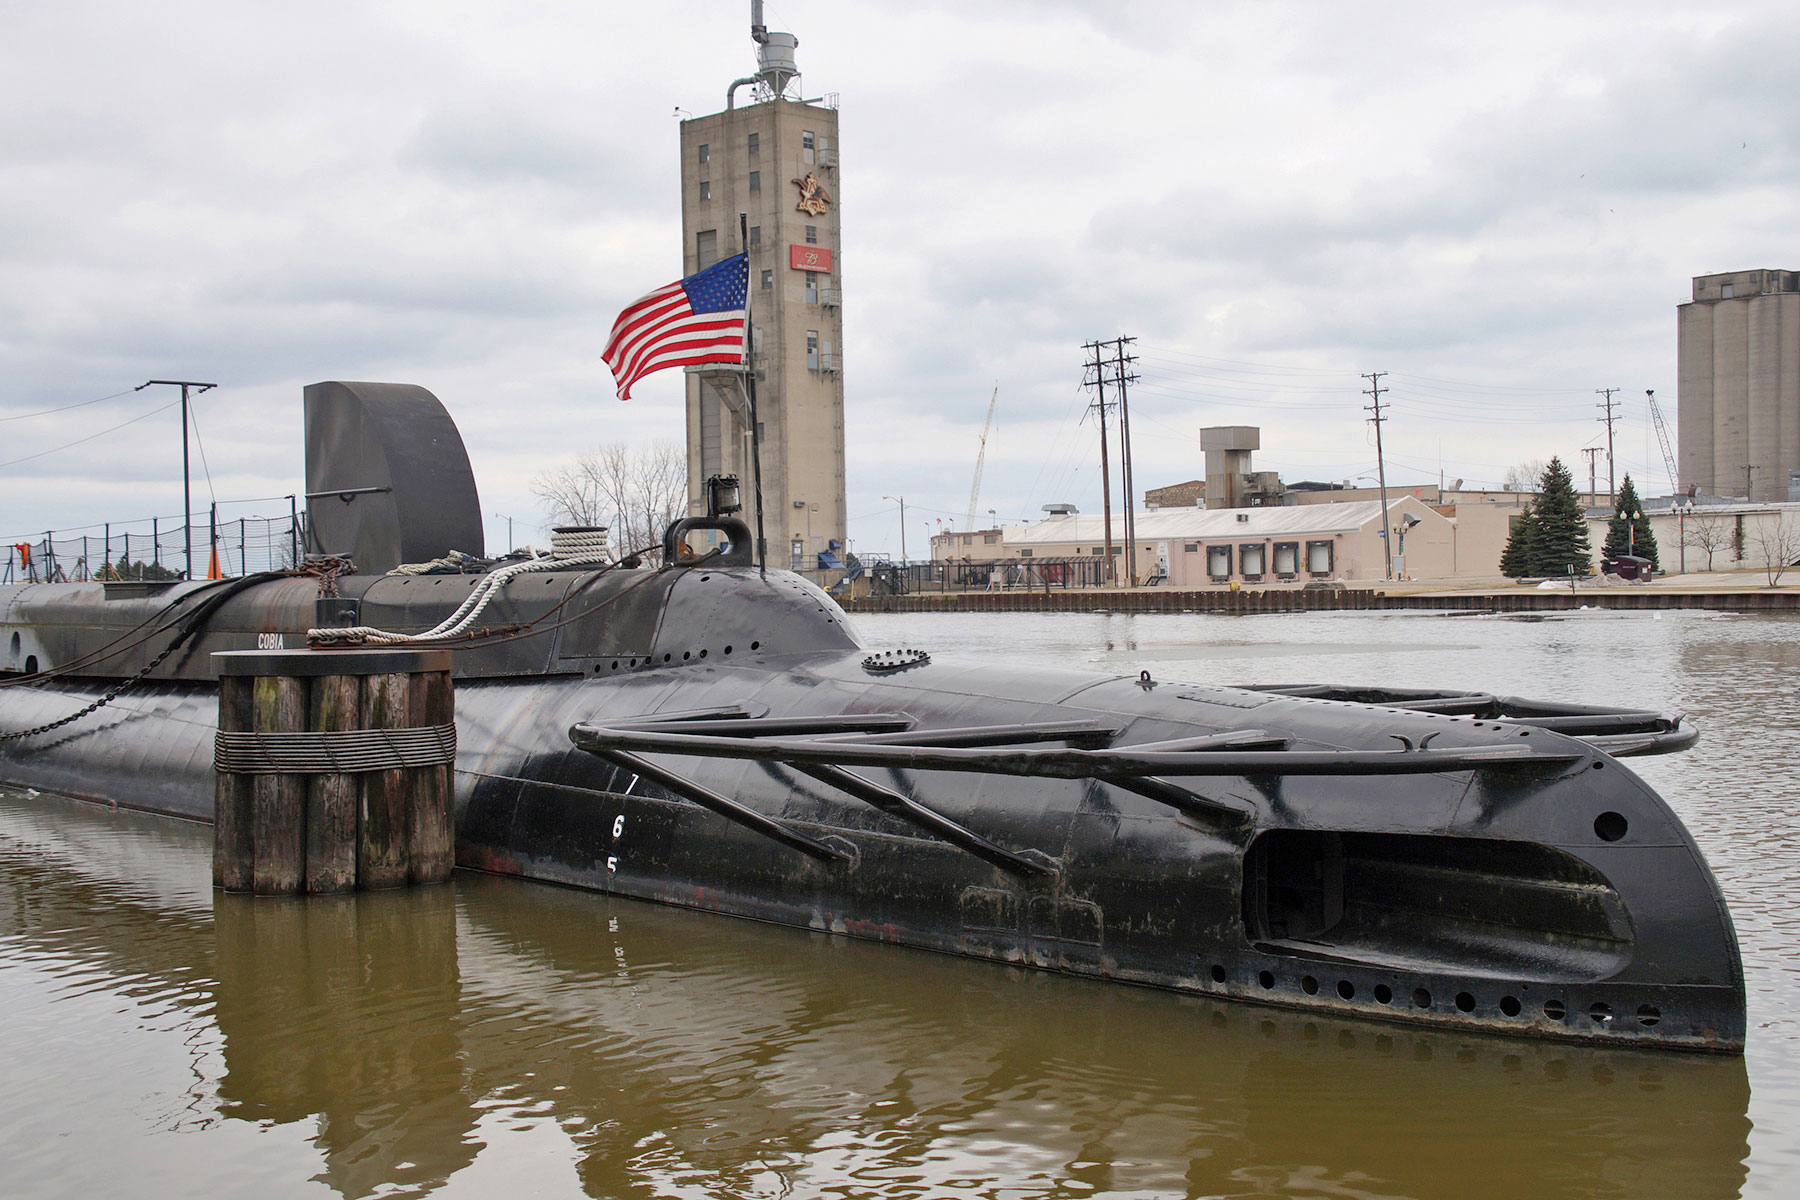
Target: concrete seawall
{"points": [[1149, 600]]}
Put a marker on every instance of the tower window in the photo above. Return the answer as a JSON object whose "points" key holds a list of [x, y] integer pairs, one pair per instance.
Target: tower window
{"points": [[1726, 291], [812, 349], [768, 280], [705, 152], [812, 235], [755, 142], [706, 189], [756, 181], [706, 247], [812, 287], [806, 145], [756, 235]]}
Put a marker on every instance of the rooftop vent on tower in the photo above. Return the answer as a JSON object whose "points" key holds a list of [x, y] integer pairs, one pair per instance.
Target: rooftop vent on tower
{"points": [[775, 65]]}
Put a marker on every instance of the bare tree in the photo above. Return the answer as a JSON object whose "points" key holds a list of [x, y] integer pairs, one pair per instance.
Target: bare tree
{"points": [[1524, 477], [1708, 534], [634, 491], [1778, 541]]}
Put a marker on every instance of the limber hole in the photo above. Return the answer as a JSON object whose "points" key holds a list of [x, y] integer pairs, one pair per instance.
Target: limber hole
{"points": [[1266, 978], [1383, 994], [1601, 1012], [1465, 1002], [1346, 989], [1309, 985], [1218, 973], [1648, 1015], [1555, 1010], [1510, 1005], [1421, 998], [1610, 826]]}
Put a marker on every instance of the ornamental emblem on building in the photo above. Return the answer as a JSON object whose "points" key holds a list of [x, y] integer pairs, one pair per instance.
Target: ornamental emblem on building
{"points": [[814, 199]]}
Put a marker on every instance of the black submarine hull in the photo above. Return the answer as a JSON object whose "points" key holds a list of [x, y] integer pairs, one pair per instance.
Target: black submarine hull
{"points": [[715, 737]]}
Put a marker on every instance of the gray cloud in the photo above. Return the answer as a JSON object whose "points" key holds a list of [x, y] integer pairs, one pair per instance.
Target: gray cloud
{"points": [[1514, 196]]}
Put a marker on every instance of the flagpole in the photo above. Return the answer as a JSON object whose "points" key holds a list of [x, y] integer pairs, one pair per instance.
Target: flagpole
{"points": [[762, 544]]}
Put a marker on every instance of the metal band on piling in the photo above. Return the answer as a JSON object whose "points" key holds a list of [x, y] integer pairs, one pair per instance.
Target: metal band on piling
{"points": [[330, 752]]}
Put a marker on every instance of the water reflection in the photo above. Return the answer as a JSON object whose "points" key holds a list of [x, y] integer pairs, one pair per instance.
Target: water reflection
{"points": [[674, 1054], [346, 1008]]}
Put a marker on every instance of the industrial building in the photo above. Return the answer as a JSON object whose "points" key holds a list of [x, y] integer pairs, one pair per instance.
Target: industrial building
{"points": [[1197, 547], [772, 156], [1738, 352]]}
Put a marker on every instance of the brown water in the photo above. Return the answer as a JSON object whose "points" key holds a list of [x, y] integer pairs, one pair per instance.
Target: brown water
{"points": [[494, 1037]]}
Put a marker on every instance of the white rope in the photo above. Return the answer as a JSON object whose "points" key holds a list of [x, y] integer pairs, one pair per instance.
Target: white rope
{"points": [[456, 560], [568, 548]]}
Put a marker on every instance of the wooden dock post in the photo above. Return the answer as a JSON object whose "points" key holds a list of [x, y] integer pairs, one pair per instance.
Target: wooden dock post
{"points": [[333, 770]]}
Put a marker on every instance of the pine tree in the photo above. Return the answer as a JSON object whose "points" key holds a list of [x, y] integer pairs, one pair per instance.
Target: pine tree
{"points": [[1516, 559], [1642, 538], [1562, 534], [1629, 530], [1618, 532]]}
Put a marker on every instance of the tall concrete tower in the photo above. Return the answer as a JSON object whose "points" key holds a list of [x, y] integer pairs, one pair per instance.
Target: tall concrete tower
{"points": [[775, 160], [1738, 350]]}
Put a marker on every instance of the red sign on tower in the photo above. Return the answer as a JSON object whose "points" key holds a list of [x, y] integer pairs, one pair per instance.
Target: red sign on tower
{"points": [[809, 258]]}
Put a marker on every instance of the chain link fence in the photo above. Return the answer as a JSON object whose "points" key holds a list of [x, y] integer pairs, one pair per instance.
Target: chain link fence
{"points": [[154, 549]]}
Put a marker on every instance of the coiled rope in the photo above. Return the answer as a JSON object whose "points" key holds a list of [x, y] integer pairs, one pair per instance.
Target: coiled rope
{"points": [[568, 548]]}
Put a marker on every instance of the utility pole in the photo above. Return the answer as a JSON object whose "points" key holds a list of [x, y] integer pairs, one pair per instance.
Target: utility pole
{"points": [[187, 483], [1116, 371], [1593, 495], [1374, 390], [1127, 477], [1099, 383], [1612, 496]]}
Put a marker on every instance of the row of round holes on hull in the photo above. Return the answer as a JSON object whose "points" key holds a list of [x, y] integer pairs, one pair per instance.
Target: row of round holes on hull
{"points": [[650, 660], [1601, 1013]]}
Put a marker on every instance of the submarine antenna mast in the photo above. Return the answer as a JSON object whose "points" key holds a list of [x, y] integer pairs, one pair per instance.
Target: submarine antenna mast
{"points": [[187, 481], [1374, 389], [762, 543]]}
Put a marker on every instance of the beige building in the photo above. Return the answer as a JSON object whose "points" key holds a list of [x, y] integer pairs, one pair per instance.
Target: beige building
{"points": [[976, 545], [1738, 351], [772, 158], [1197, 547]]}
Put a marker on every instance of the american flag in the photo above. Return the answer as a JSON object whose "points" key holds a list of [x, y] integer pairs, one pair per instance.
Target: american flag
{"points": [[699, 319]]}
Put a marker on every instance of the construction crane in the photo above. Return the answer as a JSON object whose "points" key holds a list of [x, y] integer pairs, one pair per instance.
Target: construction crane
{"points": [[1662, 439], [981, 458]]}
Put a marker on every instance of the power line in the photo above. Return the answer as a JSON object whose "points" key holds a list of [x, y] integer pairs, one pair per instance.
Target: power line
{"points": [[90, 437], [67, 407]]}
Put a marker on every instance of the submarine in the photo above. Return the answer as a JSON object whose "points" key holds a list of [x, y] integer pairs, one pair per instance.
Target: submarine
{"points": [[680, 724]]}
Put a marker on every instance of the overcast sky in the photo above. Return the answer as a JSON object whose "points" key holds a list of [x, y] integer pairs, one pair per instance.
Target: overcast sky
{"points": [[1501, 209]]}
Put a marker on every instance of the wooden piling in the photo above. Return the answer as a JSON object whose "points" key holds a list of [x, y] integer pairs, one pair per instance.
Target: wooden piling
{"points": [[305, 804], [431, 834], [232, 842], [278, 801], [338, 703]]}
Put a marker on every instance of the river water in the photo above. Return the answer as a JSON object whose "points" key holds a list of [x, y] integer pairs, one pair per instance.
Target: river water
{"points": [[496, 1037]]}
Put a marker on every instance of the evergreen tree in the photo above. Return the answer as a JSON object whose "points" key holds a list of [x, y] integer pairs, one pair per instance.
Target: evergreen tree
{"points": [[1516, 559], [1629, 530], [1562, 534]]}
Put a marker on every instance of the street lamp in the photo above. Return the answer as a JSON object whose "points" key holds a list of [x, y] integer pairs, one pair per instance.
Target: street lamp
{"points": [[509, 537], [901, 501], [1406, 523]]}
